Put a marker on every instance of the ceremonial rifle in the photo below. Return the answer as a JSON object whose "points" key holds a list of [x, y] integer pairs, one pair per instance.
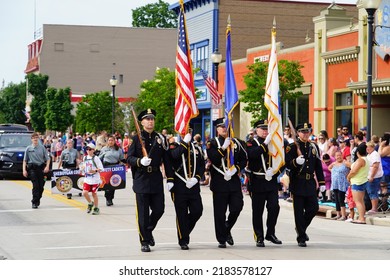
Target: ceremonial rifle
{"points": [[294, 136], [144, 152]]}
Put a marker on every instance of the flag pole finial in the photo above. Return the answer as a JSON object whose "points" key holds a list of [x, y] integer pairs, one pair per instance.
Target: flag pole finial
{"points": [[274, 26], [229, 21]]}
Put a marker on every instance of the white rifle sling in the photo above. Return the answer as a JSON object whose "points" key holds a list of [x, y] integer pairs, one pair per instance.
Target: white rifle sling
{"points": [[262, 160], [222, 160]]}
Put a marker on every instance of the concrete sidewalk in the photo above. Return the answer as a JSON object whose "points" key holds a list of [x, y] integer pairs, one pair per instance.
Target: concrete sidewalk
{"points": [[380, 219]]}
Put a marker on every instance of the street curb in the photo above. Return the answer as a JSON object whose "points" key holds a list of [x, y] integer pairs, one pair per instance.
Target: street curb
{"points": [[380, 219]]}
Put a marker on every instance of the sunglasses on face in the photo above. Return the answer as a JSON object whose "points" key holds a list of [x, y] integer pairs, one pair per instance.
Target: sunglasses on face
{"points": [[89, 149]]}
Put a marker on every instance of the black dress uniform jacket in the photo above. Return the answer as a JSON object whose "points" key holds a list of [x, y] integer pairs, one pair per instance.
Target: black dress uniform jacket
{"points": [[216, 155], [302, 180], [176, 150], [256, 150], [148, 179]]}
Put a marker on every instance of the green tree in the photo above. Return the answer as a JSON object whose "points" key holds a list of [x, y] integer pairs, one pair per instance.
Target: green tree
{"points": [[290, 78], [58, 114], [13, 103], [159, 94], [154, 15], [37, 85], [94, 113]]}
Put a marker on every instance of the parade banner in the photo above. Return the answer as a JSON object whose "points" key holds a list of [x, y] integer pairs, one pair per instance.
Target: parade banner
{"points": [[66, 181]]}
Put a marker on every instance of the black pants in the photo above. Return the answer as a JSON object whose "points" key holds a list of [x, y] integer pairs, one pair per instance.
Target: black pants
{"points": [[339, 198], [259, 200], [305, 209], [221, 202], [150, 208], [109, 194], [188, 209], [36, 176]]}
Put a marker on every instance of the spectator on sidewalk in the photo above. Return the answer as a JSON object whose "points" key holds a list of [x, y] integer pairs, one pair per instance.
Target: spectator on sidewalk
{"points": [[358, 179], [374, 176], [326, 193], [339, 172]]}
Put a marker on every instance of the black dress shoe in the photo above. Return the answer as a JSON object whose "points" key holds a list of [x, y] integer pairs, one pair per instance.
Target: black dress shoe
{"points": [[151, 242], [109, 202], [273, 239], [302, 244], [34, 206], [184, 247], [222, 245], [230, 240], [145, 248], [260, 244]]}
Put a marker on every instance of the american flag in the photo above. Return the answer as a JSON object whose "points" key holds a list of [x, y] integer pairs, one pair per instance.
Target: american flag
{"points": [[212, 87], [185, 103]]}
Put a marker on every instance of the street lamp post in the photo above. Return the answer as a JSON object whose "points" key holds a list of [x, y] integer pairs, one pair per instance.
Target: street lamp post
{"points": [[113, 83], [216, 58], [371, 6]]}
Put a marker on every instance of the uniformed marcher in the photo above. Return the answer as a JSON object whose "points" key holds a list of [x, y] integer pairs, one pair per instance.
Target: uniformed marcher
{"points": [[263, 186], [188, 164], [303, 160], [68, 159], [225, 184], [147, 177], [111, 154], [36, 162]]}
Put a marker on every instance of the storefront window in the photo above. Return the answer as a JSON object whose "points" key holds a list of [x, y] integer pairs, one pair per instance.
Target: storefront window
{"points": [[344, 106]]}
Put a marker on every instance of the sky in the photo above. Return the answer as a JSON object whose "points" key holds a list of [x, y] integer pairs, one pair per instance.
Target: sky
{"points": [[20, 18]]}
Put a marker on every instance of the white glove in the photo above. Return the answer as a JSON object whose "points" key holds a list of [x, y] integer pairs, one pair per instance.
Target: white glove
{"points": [[226, 143], [169, 186], [322, 188], [187, 138], [267, 139], [269, 173], [300, 160], [232, 171], [145, 161], [227, 176], [191, 182]]}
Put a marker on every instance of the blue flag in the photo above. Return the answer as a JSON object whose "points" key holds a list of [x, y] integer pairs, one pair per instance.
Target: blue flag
{"points": [[231, 95]]}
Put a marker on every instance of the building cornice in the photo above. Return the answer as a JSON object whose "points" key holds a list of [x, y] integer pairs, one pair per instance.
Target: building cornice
{"points": [[341, 56], [379, 87]]}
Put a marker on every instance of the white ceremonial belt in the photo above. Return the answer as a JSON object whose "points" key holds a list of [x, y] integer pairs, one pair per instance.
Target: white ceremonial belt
{"points": [[258, 173], [219, 170], [180, 177]]}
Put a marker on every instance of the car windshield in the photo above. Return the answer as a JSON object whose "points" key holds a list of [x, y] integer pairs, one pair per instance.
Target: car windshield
{"points": [[14, 140]]}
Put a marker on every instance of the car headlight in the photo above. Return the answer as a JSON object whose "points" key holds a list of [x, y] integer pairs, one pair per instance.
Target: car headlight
{"points": [[6, 154]]}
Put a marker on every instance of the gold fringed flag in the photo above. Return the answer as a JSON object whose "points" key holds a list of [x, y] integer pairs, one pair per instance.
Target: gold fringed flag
{"points": [[272, 103]]}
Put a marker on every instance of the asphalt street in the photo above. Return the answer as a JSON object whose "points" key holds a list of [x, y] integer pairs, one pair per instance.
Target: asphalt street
{"points": [[62, 230]]}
